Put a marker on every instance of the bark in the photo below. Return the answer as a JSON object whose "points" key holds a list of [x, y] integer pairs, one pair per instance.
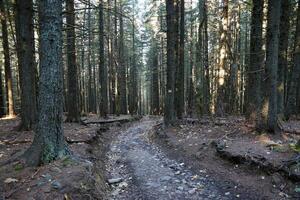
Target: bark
{"points": [[7, 66], [102, 66], [1, 96], [291, 107], [49, 143], [179, 92], [122, 82], [269, 108], [26, 62], [256, 62], [73, 94], [283, 53], [223, 65], [169, 113], [155, 82]]}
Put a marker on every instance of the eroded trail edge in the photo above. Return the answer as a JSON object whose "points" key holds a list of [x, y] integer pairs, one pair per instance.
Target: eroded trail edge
{"points": [[138, 169]]}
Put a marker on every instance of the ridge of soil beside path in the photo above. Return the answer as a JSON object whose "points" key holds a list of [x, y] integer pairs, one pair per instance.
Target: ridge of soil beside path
{"points": [[195, 144]]}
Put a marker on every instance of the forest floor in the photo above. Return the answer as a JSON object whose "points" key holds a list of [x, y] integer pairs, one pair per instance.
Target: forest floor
{"points": [[78, 177], [230, 152], [126, 158]]}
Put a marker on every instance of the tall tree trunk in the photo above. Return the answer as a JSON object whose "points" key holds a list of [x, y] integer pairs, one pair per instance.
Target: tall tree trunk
{"points": [[155, 82], [283, 53], [179, 92], [73, 94], [7, 67], [291, 107], [2, 112], [102, 66], [223, 65], [49, 143], [269, 109], [122, 83], [26, 62], [91, 106], [169, 114], [256, 63]]}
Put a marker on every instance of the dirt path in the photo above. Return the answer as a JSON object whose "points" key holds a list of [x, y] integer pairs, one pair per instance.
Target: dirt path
{"points": [[147, 173]]}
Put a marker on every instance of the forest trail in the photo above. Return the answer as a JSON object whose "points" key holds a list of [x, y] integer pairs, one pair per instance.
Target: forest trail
{"points": [[147, 173]]}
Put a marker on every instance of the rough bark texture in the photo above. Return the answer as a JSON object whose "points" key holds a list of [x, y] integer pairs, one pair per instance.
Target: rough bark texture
{"points": [[256, 62], [122, 83], [1, 95], [102, 66], [26, 62], [155, 82], [169, 114], [73, 93], [291, 107], [7, 67], [49, 143], [269, 107], [179, 92], [223, 65], [283, 53]]}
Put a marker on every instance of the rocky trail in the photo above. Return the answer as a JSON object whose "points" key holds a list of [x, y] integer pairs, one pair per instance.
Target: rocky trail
{"points": [[138, 169]]}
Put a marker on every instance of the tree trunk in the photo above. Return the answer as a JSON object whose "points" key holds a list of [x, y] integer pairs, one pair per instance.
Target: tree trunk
{"points": [[283, 53], [122, 83], [179, 92], [223, 65], [155, 82], [73, 94], [291, 107], [26, 62], [269, 108], [1, 95], [49, 143], [102, 66], [169, 114], [256, 62], [7, 67]]}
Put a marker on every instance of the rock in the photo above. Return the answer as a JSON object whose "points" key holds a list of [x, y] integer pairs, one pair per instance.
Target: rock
{"points": [[123, 185], [227, 193], [192, 191], [180, 188], [165, 178], [48, 177], [177, 173], [114, 180], [56, 185], [11, 180], [276, 179]]}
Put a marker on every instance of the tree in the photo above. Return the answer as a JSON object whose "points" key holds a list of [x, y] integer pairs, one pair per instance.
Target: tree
{"points": [[169, 113], [102, 66], [179, 92], [49, 143], [256, 62], [26, 60], [223, 65], [291, 107], [7, 67], [283, 53], [122, 82], [73, 94], [269, 108], [1, 96]]}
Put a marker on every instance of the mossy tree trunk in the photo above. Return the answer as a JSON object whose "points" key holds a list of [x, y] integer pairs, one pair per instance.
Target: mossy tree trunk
{"points": [[49, 143]]}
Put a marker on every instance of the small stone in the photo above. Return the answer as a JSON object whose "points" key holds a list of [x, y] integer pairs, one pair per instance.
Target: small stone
{"points": [[263, 178], [237, 196], [227, 193], [165, 178], [56, 185], [114, 180], [192, 191], [177, 173], [180, 188], [123, 185]]}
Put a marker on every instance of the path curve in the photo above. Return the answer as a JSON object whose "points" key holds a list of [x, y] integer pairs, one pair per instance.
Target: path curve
{"points": [[147, 173]]}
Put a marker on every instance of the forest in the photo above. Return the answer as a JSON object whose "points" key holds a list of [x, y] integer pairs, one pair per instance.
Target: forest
{"points": [[150, 99]]}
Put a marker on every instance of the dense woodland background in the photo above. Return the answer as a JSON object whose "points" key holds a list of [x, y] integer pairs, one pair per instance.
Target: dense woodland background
{"points": [[174, 58]]}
